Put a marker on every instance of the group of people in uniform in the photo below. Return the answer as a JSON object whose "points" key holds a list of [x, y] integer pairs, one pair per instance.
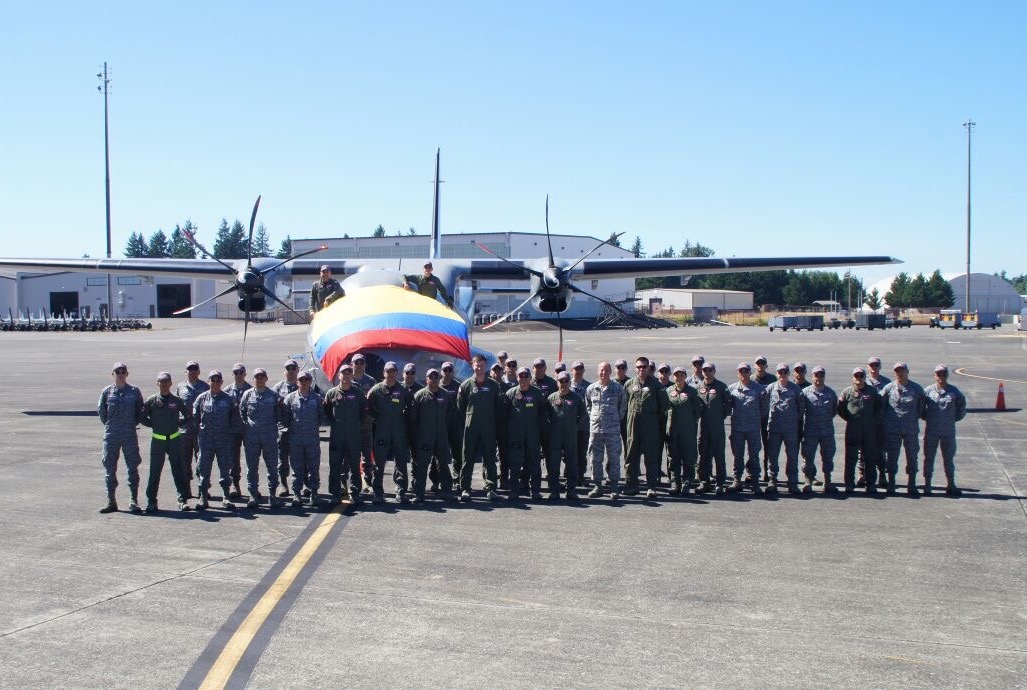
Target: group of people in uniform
{"points": [[524, 426]]}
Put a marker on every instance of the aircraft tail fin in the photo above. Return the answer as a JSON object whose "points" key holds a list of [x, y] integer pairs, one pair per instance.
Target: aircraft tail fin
{"points": [[435, 250]]}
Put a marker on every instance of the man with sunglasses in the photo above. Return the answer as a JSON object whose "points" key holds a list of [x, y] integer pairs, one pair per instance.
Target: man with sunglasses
{"points": [[526, 417], [235, 389], [695, 378], [819, 405], [944, 405], [877, 381], [188, 391], [860, 406], [647, 422], [217, 417], [903, 406], [717, 403], [346, 407], [120, 409], [431, 414], [566, 411]]}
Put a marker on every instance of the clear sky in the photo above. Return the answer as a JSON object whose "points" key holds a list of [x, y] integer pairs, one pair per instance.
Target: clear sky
{"points": [[756, 128]]}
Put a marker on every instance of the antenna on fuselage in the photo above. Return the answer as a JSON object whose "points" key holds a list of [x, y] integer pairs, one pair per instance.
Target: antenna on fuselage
{"points": [[435, 249]]}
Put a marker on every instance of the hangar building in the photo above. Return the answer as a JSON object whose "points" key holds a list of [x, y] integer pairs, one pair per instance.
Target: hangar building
{"points": [[988, 293]]}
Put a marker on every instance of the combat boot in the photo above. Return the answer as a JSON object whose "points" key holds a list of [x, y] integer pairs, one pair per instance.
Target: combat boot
{"points": [[953, 490], [772, 485], [252, 503], [650, 494], [235, 492], [313, 500], [891, 484], [911, 489], [927, 486], [882, 479], [736, 486], [757, 490], [675, 489], [297, 502], [793, 488], [203, 502], [861, 482], [133, 503], [829, 488], [702, 488], [273, 502], [807, 486], [151, 507], [112, 505], [596, 491]]}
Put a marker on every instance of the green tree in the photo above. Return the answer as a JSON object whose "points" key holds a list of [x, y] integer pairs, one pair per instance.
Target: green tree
{"points": [[1019, 282], [939, 291], [796, 291], [181, 248], [636, 248], [379, 231], [261, 242], [919, 295], [285, 249], [898, 294], [223, 240], [697, 250], [136, 247], [411, 231], [158, 247], [873, 300], [614, 239]]}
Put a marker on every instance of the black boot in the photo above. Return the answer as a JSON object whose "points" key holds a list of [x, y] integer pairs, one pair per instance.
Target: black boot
{"points": [[911, 489], [891, 483], [112, 505]]}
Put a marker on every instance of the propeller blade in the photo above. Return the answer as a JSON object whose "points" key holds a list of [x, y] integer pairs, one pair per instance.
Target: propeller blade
{"points": [[578, 290], [575, 264], [549, 241], [249, 244], [206, 301], [510, 313], [245, 328], [276, 299], [530, 271], [294, 256], [559, 325], [196, 243]]}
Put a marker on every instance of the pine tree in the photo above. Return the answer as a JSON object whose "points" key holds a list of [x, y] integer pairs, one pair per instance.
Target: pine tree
{"points": [[238, 241], [159, 247], [136, 247], [939, 291], [614, 239], [873, 300], [411, 231], [181, 248], [636, 248], [918, 293], [285, 249], [261, 242], [223, 241], [898, 294], [379, 231]]}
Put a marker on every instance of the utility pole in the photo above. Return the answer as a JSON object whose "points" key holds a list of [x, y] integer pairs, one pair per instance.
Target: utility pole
{"points": [[969, 124], [107, 176]]}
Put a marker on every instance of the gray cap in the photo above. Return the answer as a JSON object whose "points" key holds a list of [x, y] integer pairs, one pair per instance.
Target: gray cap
{"points": [[859, 370], [578, 364], [539, 362], [782, 366], [679, 370], [192, 363], [164, 376], [709, 365], [743, 365], [432, 373], [305, 374], [941, 369], [325, 267], [238, 368], [118, 365], [621, 363], [761, 358], [409, 368], [560, 366], [563, 376], [214, 374], [390, 366], [819, 370], [496, 367], [357, 358], [259, 371], [447, 366], [874, 360], [799, 366], [511, 363], [290, 363], [900, 365], [346, 366], [502, 354], [663, 367], [698, 359], [522, 371]]}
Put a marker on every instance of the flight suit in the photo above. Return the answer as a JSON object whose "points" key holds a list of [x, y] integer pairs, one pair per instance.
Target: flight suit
{"points": [[456, 438], [881, 455], [303, 416], [365, 382], [388, 407], [903, 408], [431, 415], [581, 389], [607, 409], [260, 412], [716, 408], [683, 413], [502, 442], [527, 416], [765, 379], [818, 407], [120, 411], [565, 414], [217, 417], [188, 392], [784, 426], [480, 406], [164, 414], [943, 407], [861, 410], [324, 292], [749, 404], [346, 411], [430, 286], [647, 422], [236, 394], [283, 388]]}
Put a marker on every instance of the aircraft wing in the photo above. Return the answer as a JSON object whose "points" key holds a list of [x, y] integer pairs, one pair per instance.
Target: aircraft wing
{"points": [[620, 268], [181, 268]]}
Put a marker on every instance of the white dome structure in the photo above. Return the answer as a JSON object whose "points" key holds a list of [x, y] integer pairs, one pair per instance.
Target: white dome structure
{"points": [[988, 293]]}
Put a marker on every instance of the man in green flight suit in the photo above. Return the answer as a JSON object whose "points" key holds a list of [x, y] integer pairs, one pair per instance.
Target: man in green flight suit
{"points": [[164, 412], [646, 422], [566, 412], [430, 286], [430, 417], [683, 414], [480, 405]]}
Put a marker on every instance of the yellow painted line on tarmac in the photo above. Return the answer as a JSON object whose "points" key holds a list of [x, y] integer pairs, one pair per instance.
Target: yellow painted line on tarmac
{"points": [[221, 671], [962, 372]]}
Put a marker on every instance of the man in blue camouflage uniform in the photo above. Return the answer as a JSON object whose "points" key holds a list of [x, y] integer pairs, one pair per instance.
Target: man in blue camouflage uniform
{"points": [[188, 391], [903, 406], [764, 378], [303, 414], [120, 409], [287, 385], [819, 405], [784, 426], [217, 417], [164, 413], [235, 390], [388, 404], [695, 378], [431, 414], [607, 406], [799, 375], [944, 405], [346, 406], [260, 409], [748, 403]]}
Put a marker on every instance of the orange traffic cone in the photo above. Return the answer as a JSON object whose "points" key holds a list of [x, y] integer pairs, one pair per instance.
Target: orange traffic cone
{"points": [[1000, 401]]}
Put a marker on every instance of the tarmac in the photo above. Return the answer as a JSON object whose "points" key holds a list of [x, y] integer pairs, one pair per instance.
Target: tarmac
{"points": [[699, 592]]}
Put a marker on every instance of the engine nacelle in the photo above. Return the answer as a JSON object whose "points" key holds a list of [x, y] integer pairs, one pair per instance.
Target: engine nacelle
{"points": [[257, 302]]}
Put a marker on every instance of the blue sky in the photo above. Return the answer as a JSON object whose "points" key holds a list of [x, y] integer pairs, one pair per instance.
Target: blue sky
{"points": [[755, 128]]}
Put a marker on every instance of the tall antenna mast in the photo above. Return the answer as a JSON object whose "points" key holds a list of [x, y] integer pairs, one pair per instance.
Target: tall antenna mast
{"points": [[969, 124], [105, 79]]}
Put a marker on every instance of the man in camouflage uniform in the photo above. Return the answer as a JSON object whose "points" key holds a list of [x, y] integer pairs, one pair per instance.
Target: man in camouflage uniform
{"points": [[647, 423], [164, 412], [944, 405], [287, 385], [695, 378], [303, 415], [716, 408], [388, 404], [120, 409], [799, 374], [479, 402], [429, 285], [877, 381], [235, 390], [431, 415], [260, 411], [620, 375], [784, 426], [607, 406], [748, 407], [565, 412], [188, 391], [904, 404], [217, 417], [860, 406], [324, 291], [527, 416], [764, 378], [683, 413], [451, 385], [346, 406], [818, 405]]}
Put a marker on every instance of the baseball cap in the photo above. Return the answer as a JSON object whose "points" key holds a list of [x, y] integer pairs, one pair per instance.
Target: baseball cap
{"points": [[874, 361], [782, 366], [664, 367], [496, 367], [709, 365], [799, 366], [409, 368], [761, 359], [560, 366], [260, 371], [563, 376], [305, 374], [447, 366], [741, 366], [679, 370], [346, 367], [290, 363], [578, 365], [390, 366], [523, 371], [214, 374], [621, 363], [325, 267], [698, 359], [427, 264], [432, 373], [357, 358], [819, 370], [192, 364], [539, 362], [164, 376], [118, 365], [859, 370], [900, 365], [511, 363], [941, 369], [502, 354], [238, 368]]}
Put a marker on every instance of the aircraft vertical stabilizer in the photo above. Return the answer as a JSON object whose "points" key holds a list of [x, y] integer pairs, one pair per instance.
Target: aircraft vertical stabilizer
{"points": [[435, 250]]}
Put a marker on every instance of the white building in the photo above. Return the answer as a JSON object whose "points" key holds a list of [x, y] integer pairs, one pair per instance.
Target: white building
{"points": [[677, 299], [988, 293], [411, 250]]}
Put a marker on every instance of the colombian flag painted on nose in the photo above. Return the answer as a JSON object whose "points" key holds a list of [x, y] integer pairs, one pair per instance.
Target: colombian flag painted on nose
{"points": [[385, 316]]}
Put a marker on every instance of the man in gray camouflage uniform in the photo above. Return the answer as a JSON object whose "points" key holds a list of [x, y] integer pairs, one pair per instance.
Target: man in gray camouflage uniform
{"points": [[904, 403], [748, 402], [217, 417], [303, 414], [259, 408], [120, 409], [607, 406], [283, 388], [944, 406], [818, 405], [235, 391], [784, 426]]}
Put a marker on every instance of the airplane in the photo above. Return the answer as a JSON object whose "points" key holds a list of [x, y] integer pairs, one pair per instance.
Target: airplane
{"points": [[381, 317]]}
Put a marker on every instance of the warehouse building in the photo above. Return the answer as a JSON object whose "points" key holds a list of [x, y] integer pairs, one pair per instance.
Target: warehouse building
{"points": [[657, 300], [988, 293]]}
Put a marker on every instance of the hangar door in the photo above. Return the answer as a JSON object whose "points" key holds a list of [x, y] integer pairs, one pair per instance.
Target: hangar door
{"points": [[61, 302], [171, 298]]}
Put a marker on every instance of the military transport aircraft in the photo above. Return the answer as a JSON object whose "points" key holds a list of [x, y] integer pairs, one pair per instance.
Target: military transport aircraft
{"points": [[384, 319]]}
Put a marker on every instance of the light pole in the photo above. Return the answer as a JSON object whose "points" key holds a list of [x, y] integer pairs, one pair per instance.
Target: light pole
{"points": [[969, 124], [107, 177]]}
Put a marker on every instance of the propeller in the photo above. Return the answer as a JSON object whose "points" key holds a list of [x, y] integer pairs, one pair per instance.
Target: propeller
{"points": [[551, 280], [249, 281]]}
